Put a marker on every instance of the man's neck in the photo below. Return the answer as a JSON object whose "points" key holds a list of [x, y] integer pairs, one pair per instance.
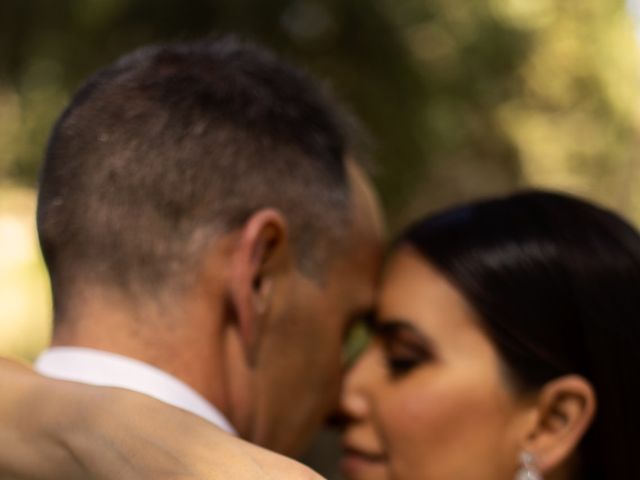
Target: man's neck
{"points": [[190, 357]]}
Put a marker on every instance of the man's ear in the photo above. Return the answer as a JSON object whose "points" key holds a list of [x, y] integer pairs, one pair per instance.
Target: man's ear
{"points": [[262, 254], [565, 409]]}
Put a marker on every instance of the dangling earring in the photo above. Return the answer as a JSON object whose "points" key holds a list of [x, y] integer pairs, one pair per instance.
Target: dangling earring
{"points": [[528, 468]]}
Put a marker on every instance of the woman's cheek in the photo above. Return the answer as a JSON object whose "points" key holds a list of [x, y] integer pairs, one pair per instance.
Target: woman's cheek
{"points": [[433, 425], [414, 414]]}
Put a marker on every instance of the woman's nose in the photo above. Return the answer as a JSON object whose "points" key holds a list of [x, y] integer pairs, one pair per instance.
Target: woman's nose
{"points": [[360, 384]]}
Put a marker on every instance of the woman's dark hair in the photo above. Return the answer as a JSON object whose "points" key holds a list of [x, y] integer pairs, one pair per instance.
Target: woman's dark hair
{"points": [[556, 283]]}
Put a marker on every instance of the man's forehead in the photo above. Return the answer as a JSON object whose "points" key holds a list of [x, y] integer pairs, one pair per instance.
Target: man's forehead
{"points": [[356, 270], [367, 216]]}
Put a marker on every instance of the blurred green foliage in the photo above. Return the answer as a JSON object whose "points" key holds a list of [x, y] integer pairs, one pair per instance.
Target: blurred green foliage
{"points": [[47, 48], [463, 97], [24, 295]]}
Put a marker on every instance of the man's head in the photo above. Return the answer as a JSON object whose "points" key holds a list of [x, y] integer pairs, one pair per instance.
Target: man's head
{"points": [[207, 183], [176, 143]]}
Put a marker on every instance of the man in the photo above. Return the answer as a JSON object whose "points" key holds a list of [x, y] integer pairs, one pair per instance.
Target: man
{"points": [[209, 244]]}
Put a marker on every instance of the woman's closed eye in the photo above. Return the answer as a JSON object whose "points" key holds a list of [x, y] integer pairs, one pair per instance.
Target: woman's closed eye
{"points": [[399, 366], [404, 347]]}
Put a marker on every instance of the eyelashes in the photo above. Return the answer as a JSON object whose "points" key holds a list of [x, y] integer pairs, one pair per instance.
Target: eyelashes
{"points": [[399, 367], [404, 348], [402, 358], [403, 355]]}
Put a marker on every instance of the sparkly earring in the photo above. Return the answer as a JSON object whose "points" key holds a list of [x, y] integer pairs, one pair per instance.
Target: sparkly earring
{"points": [[528, 468]]}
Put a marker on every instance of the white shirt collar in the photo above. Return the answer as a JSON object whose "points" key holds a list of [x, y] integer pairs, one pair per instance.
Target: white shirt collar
{"points": [[97, 367]]}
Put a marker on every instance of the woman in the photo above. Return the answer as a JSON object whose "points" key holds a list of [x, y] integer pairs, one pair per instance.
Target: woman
{"points": [[506, 346]]}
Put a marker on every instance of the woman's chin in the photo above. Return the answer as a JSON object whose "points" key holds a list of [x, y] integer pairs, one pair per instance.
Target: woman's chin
{"points": [[357, 466]]}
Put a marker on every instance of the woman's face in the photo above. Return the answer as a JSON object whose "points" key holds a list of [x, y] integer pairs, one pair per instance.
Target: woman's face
{"points": [[428, 399]]}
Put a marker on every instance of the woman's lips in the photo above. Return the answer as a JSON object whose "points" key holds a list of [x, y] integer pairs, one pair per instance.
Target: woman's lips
{"points": [[355, 459]]}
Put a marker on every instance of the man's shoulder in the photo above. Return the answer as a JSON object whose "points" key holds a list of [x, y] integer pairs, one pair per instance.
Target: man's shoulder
{"points": [[276, 466]]}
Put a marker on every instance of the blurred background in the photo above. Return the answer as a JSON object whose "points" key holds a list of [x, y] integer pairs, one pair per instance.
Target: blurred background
{"points": [[463, 98]]}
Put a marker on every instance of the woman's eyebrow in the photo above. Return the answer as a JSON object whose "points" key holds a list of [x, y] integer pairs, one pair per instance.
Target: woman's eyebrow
{"points": [[394, 328]]}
